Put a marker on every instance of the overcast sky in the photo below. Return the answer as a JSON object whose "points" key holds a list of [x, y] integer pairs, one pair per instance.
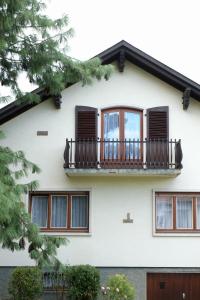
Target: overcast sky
{"points": [[168, 30]]}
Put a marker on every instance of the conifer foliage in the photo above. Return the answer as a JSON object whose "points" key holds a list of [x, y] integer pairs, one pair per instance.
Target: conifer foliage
{"points": [[31, 42], [34, 43]]}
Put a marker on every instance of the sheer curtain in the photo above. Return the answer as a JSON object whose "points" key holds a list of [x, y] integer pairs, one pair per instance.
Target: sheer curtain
{"points": [[111, 132], [39, 210], [184, 212], [80, 211], [163, 212], [59, 211]]}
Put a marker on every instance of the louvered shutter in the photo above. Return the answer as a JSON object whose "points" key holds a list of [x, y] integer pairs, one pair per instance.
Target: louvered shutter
{"points": [[157, 137], [86, 122], [157, 123], [86, 136]]}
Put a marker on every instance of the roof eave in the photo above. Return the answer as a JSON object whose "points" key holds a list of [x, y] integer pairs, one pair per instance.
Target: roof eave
{"points": [[152, 66], [132, 54]]}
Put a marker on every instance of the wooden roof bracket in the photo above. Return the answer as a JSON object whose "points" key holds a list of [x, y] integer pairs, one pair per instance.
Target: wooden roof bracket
{"points": [[57, 100], [186, 98], [121, 61]]}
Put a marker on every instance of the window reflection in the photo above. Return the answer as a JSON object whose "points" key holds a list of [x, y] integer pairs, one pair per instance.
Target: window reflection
{"points": [[122, 138], [132, 135], [111, 135]]}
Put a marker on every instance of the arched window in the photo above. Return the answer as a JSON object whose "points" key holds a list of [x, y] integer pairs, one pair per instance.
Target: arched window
{"points": [[122, 134]]}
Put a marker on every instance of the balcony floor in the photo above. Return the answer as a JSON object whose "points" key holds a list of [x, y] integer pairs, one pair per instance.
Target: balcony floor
{"points": [[75, 172]]}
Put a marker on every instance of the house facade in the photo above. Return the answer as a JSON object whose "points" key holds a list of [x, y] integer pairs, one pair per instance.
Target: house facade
{"points": [[126, 191]]}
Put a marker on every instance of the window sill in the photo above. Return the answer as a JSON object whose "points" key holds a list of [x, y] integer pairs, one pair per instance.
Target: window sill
{"points": [[65, 233], [177, 234]]}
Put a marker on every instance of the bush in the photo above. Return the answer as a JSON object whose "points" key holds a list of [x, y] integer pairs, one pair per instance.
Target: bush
{"points": [[83, 282], [118, 288], [26, 283]]}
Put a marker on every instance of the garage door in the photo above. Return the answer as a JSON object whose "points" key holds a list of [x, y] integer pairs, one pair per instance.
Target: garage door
{"points": [[173, 286]]}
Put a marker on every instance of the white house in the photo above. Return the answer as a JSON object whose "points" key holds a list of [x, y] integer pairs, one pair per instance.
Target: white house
{"points": [[127, 192]]}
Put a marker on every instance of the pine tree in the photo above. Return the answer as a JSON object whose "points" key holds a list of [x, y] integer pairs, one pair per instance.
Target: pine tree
{"points": [[32, 42]]}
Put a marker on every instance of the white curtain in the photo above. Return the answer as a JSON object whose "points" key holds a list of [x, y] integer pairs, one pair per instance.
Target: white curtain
{"points": [[80, 211], [163, 212], [184, 212], [59, 211], [39, 210], [111, 125], [111, 132]]}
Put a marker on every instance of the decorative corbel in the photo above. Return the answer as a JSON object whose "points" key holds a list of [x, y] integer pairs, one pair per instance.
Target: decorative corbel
{"points": [[57, 100], [186, 98], [121, 61]]}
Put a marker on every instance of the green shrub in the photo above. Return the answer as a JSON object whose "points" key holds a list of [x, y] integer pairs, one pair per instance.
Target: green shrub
{"points": [[118, 288], [83, 282], [26, 283]]}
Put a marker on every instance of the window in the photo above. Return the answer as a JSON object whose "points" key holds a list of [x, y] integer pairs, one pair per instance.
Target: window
{"points": [[122, 134], [177, 212], [60, 211]]}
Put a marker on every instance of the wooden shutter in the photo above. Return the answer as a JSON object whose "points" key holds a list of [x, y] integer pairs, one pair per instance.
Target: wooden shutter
{"points": [[86, 122], [158, 123], [157, 137], [86, 137]]}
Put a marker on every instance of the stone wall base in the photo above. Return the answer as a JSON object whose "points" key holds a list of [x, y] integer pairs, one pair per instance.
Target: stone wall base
{"points": [[136, 275]]}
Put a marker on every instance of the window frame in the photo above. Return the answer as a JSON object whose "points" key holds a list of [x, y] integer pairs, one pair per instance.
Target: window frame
{"points": [[121, 110], [71, 213], [50, 221], [156, 216], [68, 195], [174, 230], [44, 196]]}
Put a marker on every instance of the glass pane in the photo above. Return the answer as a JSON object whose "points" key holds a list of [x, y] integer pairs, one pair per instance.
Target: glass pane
{"points": [[111, 132], [198, 212], [163, 212], [59, 211], [184, 212], [132, 134], [80, 211], [39, 210]]}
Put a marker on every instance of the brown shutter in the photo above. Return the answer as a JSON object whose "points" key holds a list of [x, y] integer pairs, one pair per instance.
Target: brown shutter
{"points": [[157, 145], [158, 123], [86, 122], [86, 137]]}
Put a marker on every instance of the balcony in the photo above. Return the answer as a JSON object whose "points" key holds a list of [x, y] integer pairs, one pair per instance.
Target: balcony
{"points": [[158, 157]]}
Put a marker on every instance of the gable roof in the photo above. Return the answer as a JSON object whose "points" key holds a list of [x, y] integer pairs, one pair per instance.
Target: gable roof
{"points": [[151, 65], [119, 52]]}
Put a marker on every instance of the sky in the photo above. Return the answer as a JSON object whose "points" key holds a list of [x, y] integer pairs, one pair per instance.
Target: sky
{"points": [[168, 30]]}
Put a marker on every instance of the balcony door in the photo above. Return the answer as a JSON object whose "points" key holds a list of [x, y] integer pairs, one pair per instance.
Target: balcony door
{"points": [[121, 136]]}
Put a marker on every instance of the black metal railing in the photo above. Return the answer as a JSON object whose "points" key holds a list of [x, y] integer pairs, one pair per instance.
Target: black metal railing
{"points": [[131, 154], [54, 281]]}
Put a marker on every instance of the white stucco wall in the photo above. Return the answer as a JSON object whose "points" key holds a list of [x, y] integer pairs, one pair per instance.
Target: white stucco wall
{"points": [[110, 241]]}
